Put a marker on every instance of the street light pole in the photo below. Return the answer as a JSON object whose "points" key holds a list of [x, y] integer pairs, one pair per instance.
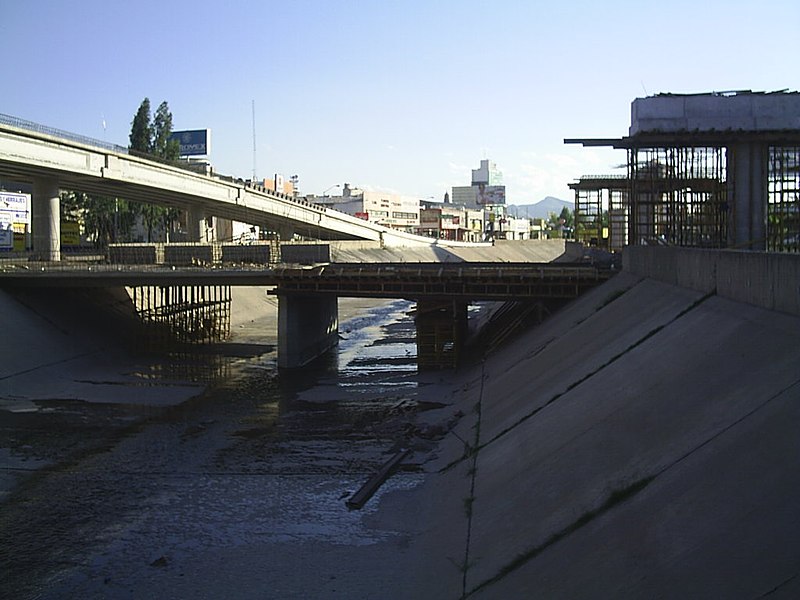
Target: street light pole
{"points": [[325, 193]]}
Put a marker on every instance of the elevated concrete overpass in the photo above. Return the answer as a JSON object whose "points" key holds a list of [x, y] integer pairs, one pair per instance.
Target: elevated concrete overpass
{"points": [[53, 160]]}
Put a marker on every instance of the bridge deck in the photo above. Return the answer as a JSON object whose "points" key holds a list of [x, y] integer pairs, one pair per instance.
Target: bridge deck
{"points": [[475, 281], [478, 281]]}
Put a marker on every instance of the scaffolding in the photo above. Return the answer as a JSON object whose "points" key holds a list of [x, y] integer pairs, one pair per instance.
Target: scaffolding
{"points": [[783, 199], [601, 211], [678, 196], [181, 315], [441, 333], [711, 170]]}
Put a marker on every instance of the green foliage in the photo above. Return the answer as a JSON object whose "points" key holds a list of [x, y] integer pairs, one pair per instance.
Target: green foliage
{"points": [[141, 130], [567, 218], [152, 138], [162, 146], [156, 217], [104, 220], [561, 225]]}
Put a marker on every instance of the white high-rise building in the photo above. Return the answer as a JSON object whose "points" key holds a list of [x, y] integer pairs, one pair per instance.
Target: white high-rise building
{"points": [[487, 174], [487, 188]]}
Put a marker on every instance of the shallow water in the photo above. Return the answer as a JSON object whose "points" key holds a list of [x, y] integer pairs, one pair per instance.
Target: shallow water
{"points": [[260, 460]]}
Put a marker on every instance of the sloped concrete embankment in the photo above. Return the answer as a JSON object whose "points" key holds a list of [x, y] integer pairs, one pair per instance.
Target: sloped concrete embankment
{"points": [[75, 345], [502, 251], [641, 443]]}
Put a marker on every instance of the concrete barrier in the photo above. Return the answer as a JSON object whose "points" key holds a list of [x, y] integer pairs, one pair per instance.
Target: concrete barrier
{"points": [[305, 254], [257, 254], [134, 254], [767, 280], [785, 275], [187, 255]]}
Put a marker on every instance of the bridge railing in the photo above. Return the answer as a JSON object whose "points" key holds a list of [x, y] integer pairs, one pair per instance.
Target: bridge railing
{"points": [[52, 131]]}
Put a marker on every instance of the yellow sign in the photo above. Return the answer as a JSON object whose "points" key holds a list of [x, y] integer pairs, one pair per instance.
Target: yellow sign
{"points": [[70, 233], [19, 241]]}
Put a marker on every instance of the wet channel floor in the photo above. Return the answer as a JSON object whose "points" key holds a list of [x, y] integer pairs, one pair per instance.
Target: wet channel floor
{"points": [[120, 494]]}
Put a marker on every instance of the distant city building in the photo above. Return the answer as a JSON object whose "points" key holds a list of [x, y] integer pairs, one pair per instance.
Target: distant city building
{"points": [[390, 210], [280, 184], [486, 189], [487, 174], [487, 193], [451, 222]]}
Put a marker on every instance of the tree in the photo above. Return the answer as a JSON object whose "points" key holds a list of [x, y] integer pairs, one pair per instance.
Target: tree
{"points": [[162, 145], [141, 137], [154, 139], [104, 219], [567, 218], [561, 225]]}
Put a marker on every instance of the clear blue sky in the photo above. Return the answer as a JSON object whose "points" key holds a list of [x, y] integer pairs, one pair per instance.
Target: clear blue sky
{"points": [[405, 96]]}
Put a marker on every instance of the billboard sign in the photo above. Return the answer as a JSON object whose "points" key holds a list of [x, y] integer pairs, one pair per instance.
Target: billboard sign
{"points": [[16, 206], [6, 233], [489, 195], [196, 142], [15, 214]]}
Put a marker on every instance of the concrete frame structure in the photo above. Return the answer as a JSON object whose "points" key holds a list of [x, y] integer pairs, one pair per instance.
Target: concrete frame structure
{"points": [[719, 170], [596, 196]]}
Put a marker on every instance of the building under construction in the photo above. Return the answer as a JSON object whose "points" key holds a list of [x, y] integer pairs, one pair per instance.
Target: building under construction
{"points": [[716, 170]]}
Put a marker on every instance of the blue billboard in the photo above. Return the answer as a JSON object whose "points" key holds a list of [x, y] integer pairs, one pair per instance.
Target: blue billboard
{"points": [[196, 142]]}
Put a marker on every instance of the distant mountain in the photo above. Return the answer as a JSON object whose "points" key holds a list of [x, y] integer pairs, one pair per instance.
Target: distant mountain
{"points": [[540, 210]]}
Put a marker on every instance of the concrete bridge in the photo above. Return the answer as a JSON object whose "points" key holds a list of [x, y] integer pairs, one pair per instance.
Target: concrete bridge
{"points": [[308, 296], [52, 160]]}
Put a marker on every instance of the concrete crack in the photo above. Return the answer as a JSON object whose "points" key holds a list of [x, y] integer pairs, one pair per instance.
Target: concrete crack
{"points": [[621, 495], [608, 363], [473, 471]]}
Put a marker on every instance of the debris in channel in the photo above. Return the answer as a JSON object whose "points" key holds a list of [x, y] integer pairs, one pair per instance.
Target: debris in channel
{"points": [[360, 498]]}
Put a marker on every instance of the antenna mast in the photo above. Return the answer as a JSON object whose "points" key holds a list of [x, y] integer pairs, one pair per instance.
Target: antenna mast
{"points": [[254, 141]]}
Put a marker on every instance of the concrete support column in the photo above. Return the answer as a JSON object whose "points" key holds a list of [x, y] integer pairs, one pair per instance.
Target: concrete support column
{"points": [[46, 219], [308, 326], [223, 229], [196, 225], [441, 333], [286, 233], [747, 195]]}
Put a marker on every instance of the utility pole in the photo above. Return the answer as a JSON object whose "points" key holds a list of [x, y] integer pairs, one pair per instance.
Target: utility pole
{"points": [[254, 141]]}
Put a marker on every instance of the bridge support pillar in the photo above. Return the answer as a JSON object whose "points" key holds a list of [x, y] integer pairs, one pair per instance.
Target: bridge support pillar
{"points": [[308, 326], [441, 333], [197, 225], [223, 228], [46, 219], [748, 168], [286, 233]]}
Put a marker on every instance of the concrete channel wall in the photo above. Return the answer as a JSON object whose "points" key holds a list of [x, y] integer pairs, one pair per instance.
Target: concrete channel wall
{"points": [[642, 442], [767, 280]]}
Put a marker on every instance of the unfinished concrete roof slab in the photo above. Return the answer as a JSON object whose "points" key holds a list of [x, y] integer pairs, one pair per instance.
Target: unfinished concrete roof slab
{"points": [[738, 111]]}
